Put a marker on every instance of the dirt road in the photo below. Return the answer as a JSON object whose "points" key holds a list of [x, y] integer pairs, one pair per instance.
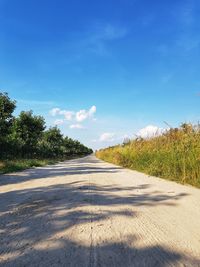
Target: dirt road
{"points": [[89, 213]]}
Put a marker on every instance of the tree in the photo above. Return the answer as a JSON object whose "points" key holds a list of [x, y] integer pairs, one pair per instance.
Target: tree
{"points": [[7, 107], [52, 143], [68, 146], [25, 136], [28, 130]]}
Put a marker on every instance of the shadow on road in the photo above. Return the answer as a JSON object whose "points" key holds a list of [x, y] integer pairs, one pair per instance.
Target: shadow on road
{"points": [[30, 217], [72, 167], [68, 253]]}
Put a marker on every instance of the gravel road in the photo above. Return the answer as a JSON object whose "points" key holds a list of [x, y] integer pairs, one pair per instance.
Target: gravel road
{"points": [[86, 212]]}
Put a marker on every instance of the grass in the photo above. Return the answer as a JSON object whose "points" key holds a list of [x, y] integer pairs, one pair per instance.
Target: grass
{"points": [[175, 155], [7, 166], [14, 165]]}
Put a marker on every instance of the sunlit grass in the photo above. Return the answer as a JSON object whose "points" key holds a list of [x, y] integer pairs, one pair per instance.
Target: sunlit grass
{"points": [[7, 166], [175, 155], [13, 165]]}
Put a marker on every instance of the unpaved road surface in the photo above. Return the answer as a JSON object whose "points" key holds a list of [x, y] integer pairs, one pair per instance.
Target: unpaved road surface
{"points": [[89, 213]]}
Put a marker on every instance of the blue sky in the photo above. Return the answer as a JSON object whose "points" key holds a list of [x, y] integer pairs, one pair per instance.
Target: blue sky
{"points": [[116, 65]]}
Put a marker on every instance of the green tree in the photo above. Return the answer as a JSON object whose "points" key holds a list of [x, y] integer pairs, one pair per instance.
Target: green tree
{"points": [[25, 136], [7, 107], [51, 144], [28, 130]]}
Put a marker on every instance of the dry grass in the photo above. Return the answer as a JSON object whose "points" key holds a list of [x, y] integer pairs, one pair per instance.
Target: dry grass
{"points": [[174, 155]]}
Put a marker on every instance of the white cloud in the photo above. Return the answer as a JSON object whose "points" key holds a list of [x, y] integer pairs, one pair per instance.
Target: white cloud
{"points": [[54, 112], [79, 116], [107, 137], [150, 131], [58, 122], [76, 126], [92, 110], [67, 114], [84, 114]]}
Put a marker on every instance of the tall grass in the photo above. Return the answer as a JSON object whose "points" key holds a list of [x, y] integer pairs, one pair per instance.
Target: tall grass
{"points": [[175, 155]]}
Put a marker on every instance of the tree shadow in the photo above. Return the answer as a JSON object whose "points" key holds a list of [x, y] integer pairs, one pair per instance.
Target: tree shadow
{"points": [[75, 195], [69, 253], [72, 167], [30, 217]]}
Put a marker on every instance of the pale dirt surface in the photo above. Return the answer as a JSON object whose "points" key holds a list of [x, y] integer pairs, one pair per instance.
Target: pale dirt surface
{"points": [[88, 213]]}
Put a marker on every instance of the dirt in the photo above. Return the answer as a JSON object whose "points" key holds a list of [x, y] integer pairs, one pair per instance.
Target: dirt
{"points": [[86, 212]]}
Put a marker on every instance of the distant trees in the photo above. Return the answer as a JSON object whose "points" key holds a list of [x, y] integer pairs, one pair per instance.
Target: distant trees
{"points": [[51, 144], [25, 136], [28, 130]]}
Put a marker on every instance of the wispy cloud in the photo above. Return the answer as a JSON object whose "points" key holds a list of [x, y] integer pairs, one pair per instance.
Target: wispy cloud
{"points": [[67, 114], [186, 15], [35, 102], [188, 43], [186, 40], [107, 137], [108, 32], [95, 38], [167, 77], [187, 12], [98, 37], [76, 126], [59, 122]]}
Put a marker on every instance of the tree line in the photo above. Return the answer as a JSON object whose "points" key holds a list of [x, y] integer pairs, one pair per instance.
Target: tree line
{"points": [[26, 136]]}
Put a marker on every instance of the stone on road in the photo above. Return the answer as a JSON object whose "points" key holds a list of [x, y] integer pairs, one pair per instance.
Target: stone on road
{"points": [[86, 212]]}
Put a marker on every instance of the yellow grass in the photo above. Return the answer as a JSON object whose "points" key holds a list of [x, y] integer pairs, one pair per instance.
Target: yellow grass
{"points": [[174, 155]]}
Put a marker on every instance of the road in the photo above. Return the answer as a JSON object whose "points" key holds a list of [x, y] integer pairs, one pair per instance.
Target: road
{"points": [[86, 212]]}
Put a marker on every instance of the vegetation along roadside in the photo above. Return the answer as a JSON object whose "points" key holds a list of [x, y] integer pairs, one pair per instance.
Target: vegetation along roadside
{"points": [[174, 155], [26, 142]]}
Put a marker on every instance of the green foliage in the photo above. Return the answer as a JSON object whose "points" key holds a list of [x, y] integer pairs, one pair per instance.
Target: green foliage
{"points": [[25, 137], [7, 107], [174, 155], [51, 144], [28, 130]]}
